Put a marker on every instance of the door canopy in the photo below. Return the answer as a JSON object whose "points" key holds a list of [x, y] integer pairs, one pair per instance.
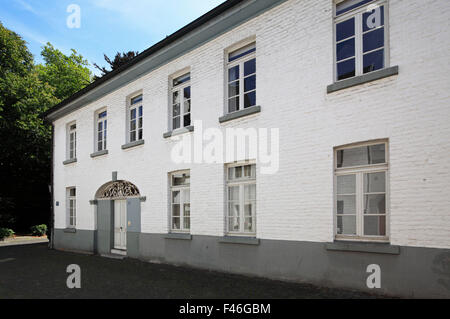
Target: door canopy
{"points": [[117, 189]]}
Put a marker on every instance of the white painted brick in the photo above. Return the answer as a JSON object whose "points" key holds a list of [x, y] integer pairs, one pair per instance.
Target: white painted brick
{"points": [[294, 67]]}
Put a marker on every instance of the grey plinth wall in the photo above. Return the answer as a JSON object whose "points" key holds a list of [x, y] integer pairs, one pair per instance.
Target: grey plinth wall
{"points": [[77, 240]]}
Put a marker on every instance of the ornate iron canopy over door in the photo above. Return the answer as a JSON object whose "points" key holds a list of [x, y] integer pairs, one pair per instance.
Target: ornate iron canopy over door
{"points": [[118, 189]]}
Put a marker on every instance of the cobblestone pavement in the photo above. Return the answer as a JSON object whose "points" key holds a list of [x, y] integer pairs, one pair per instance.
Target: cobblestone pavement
{"points": [[34, 271]]}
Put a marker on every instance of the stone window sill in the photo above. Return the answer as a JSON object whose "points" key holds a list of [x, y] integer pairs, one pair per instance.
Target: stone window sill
{"points": [[240, 114], [365, 78], [239, 240], [133, 144], [178, 236], [363, 247], [70, 230], [99, 153], [70, 161], [176, 132]]}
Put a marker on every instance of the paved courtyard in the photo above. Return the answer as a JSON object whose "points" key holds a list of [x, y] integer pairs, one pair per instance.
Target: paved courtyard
{"points": [[34, 271]]}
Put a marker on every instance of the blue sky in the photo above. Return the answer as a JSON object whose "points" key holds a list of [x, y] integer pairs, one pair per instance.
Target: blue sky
{"points": [[107, 26]]}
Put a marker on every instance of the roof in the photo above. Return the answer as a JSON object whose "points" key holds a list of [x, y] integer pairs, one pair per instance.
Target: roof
{"points": [[221, 19]]}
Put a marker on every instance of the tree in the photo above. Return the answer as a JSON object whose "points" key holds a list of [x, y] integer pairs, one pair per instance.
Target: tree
{"points": [[119, 60], [26, 91]]}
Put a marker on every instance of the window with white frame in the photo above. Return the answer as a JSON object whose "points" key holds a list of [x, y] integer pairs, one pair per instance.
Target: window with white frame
{"points": [[241, 78], [361, 37], [181, 101], [102, 126], [361, 191], [72, 141], [71, 207], [136, 119], [241, 199], [180, 202]]}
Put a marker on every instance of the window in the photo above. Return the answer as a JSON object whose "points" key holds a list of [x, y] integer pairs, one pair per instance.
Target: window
{"points": [[241, 199], [361, 192], [180, 202], [181, 101], [71, 208], [102, 126], [361, 37], [242, 78], [136, 119], [72, 140]]}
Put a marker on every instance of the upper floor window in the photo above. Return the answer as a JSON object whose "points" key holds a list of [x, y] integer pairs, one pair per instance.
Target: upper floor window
{"points": [[361, 192], [241, 78], [361, 37], [102, 126], [181, 101], [72, 141], [241, 199], [71, 207], [135, 125], [180, 202]]}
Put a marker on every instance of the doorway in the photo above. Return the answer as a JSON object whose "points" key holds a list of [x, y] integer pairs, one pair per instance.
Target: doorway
{"points": [[120, 225]]}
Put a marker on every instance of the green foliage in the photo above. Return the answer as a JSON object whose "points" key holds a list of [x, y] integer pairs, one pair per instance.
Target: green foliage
{"points": [[39, 230], [5, 233], [26, 91], [119, 60]]}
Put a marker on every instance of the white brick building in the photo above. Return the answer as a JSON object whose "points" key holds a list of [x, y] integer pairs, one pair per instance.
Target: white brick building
{"points": [[308, 221]]}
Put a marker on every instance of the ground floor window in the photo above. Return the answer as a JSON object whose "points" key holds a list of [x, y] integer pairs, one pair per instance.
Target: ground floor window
{"points": [[180, 202], [241, 199], [71, 207], [361, 191]]}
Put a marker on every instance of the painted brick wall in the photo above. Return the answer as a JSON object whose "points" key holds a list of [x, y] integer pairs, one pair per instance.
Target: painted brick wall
{"points": [[294, 67]]}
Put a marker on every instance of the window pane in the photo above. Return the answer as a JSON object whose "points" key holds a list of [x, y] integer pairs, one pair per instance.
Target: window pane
{"points": [[187, 223], [133, 125], [176, 123], [100, 146], [373, 40], [373, 61], [346, 69], [182, 79], [140, 136], [250, 192], [346, 204], [365, 155], [346, 184], [176, 210], [133, 136], [176, 98], [238, 171], [375, 225], [136, 100], [187, 195], [176, 109], [250, 67], [180, 179], [100, 126], [233, 217], [140, 122], [250, 83], [187, 120], [375, 182], [233, 104], [373, 19], [248, 225], [233, 193], [346, 225], [233, 89], [187, 106], [233, 73], [241, 52], [140, 111], [176, 197], [345, 29], [250, 99], [348, 5], [375, 204], [176, 223], [187, 93], [345, 49], [133, 114]]}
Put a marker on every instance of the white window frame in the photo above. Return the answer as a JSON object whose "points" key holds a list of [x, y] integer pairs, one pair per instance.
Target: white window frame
{"points": [[241, 61], [359, 172], [180, 89], [357, 14], [104, 131], [71, 208], [71, 146], [181, 189], [135, 107], [241, 183]]}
